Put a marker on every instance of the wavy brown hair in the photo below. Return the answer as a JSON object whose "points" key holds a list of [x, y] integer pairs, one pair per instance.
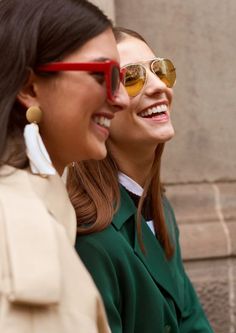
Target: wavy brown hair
{"points": [[94, 189]]}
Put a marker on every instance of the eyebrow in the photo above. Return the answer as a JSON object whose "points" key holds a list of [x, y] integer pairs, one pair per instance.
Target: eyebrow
{"points": [[101, 59]]}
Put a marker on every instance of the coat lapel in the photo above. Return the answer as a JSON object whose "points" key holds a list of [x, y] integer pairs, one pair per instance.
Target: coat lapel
{"points": [[162, 271], [33, 267], [52, 192]]}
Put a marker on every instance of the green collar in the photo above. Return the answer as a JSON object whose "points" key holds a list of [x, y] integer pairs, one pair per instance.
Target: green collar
{"points": [[126, 209]]}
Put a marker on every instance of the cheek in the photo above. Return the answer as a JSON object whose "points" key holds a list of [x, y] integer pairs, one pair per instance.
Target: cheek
{"points": [[68, 108], [120, 121], [134, 102], [126, 120], [64, 118], [117, 127], [170, 95], [122, 127]]}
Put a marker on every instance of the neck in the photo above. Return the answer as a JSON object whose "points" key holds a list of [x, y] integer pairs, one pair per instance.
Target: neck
{"points": [[59, 168], [135, 163]]}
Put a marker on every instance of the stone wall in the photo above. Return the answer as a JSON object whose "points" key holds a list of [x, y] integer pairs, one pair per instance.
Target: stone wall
{"points": [[206, 214], [108, 6], [200, 162]]}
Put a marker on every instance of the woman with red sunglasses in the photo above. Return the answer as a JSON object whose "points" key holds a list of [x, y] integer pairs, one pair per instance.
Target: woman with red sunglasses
{"points": [[59, 90], [127, 234]]}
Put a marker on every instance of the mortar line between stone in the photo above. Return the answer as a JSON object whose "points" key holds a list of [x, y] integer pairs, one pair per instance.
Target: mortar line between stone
{"points": [[218, 208]]}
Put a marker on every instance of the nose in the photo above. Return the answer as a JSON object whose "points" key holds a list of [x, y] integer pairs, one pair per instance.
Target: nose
{"points": [[121, 100], [155, 84]]}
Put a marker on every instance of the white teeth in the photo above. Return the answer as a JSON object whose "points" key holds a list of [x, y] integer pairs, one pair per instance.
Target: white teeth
{"points": [[107, 122], [155, 109], [102, 121]]}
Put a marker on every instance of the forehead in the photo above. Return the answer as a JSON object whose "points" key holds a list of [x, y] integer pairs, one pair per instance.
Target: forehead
{"points": [[133, 50], [102, 46]]}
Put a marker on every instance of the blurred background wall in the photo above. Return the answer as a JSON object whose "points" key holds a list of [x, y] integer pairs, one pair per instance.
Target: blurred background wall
{"points": [[200, 162]]}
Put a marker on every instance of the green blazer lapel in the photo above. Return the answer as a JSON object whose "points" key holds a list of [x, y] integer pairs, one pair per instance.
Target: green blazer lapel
{"points": [[126, 209], [154, 259], [163, 272]]}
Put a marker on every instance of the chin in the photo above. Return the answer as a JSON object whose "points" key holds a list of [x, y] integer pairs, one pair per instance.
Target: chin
{"points": [[166, 135], [99, 154]]}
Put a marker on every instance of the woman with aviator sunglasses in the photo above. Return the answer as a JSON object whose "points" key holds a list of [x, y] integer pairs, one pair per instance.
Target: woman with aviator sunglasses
{"points": [[127, 233], [59, 90]]}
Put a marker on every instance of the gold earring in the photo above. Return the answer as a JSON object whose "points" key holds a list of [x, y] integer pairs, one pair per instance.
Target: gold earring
{"points": [[34, 114]]}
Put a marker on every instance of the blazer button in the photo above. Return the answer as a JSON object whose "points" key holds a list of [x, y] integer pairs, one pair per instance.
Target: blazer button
{"points": [[167, 329]]}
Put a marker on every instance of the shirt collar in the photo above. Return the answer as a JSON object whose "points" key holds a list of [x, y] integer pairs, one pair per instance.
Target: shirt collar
{"points": [[130, 184]]}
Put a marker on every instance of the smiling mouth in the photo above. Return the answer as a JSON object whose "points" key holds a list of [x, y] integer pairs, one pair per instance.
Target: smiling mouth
{"points": [[102, 121], [154, 111]]}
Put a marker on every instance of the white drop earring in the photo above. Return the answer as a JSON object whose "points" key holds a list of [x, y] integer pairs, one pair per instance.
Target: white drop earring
{"points": [[40, 162]]}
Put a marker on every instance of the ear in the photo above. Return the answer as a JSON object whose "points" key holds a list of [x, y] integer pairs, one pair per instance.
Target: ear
{"points": [[27, 96]]}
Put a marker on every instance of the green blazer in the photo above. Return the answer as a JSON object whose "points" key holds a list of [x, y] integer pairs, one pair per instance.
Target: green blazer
{"points": [[142, 293]]}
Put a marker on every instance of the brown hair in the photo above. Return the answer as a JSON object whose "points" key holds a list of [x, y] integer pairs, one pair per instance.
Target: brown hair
{"points": [[94, 198], [34, 32], [94, 189]]}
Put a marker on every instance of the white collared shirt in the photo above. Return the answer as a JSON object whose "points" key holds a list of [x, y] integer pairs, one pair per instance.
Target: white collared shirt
{"points": [[134, 188]]}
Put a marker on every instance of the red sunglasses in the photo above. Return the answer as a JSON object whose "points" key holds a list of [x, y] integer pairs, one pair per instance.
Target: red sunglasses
{"points": [[110, 68]]}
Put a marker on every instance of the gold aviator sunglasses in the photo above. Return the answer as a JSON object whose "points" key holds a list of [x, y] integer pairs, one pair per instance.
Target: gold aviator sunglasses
{"points": [[135, 75]]}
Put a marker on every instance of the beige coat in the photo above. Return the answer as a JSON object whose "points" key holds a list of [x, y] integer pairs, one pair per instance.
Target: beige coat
{"points": [[44, 287]]}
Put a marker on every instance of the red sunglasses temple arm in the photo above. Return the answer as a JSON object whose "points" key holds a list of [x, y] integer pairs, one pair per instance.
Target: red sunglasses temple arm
{"points": [[76, 66]]}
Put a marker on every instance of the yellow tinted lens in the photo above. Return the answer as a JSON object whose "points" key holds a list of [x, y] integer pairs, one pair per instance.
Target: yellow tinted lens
{"points": [[135, 76], [165, 70]]}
